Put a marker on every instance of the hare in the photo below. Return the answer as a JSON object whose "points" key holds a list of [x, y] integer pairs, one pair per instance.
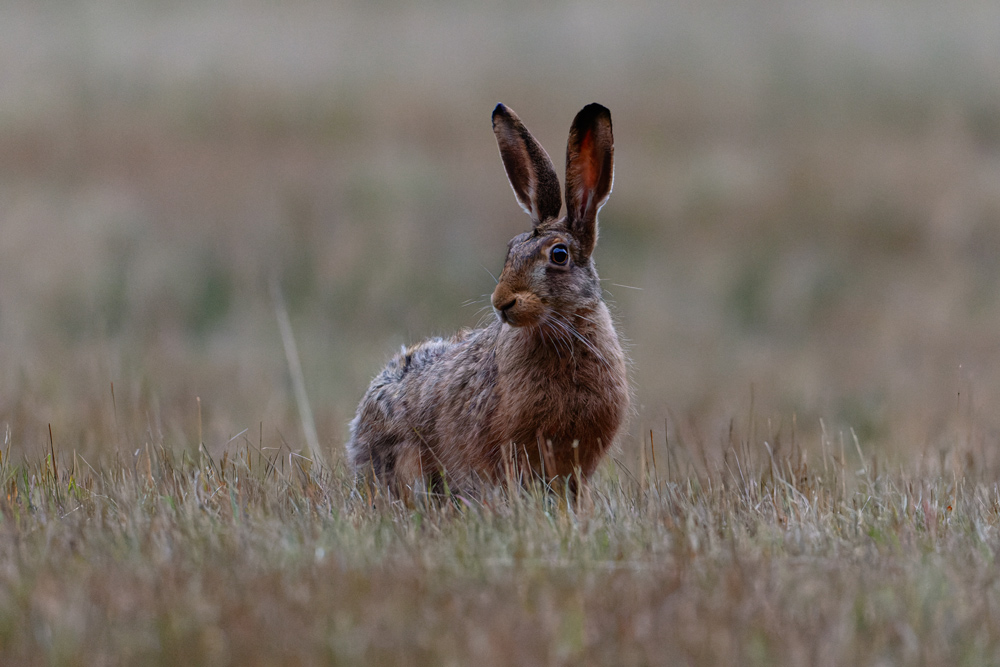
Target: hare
{"points": [[543, 389]]}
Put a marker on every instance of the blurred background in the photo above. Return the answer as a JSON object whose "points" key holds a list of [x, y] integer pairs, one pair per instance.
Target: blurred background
{"points": [[805, 223]]}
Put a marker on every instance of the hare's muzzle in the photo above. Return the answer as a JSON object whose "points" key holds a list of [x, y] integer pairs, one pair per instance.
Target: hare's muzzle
{"points": [[503, 312], [517, 309]]}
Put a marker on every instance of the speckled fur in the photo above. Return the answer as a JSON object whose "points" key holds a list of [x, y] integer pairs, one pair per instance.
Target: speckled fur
{"points": [[544, 386]]}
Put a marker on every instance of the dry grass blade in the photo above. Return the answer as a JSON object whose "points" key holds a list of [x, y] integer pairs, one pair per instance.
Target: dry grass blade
{"points": [[296, 376]]}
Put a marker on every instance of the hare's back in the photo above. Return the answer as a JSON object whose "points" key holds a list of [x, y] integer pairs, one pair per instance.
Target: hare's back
{"points": [[400, 399], [412, 359]]}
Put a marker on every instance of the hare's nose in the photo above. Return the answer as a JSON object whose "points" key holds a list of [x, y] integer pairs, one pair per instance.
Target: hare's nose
{"points": [[506, 307]]}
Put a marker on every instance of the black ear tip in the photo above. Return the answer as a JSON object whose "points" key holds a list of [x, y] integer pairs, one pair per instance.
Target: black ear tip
{"points": [[592, 112], [500, 110]]}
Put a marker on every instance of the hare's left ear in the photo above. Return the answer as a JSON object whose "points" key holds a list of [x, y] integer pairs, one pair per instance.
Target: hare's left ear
{"points": [[528, 166], [590, 172]]}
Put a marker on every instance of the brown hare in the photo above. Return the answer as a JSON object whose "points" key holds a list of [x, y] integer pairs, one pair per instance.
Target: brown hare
{"points": [[543, 389]]}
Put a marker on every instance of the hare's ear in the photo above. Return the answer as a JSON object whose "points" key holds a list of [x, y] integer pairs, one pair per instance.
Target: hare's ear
{"points": [[590, 172], [528, 166]]}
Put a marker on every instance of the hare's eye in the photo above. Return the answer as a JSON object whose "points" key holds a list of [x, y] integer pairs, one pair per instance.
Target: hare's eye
{"points": [[559, 254]]}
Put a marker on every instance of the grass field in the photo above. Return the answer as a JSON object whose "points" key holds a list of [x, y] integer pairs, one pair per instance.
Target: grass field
{"points": [[258, 558], [800, 249]]}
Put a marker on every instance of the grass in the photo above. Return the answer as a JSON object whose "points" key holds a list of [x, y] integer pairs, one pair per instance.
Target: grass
{"points": [[757, 554]]}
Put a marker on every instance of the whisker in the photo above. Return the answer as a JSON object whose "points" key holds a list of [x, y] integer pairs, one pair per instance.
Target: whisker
{"points": [[471, 302], [558, 341], [584, 317], [590, 346], [545, 339], [558, 331]]}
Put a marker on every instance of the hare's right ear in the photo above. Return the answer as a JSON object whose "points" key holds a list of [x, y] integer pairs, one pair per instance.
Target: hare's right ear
{"points": [[590, 172], [528, 166]]}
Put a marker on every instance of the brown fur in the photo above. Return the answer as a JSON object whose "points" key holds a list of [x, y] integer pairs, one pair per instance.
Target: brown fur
{"points": [[544, 385]]}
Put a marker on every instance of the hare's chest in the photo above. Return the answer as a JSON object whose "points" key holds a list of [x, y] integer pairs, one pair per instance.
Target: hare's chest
{"points": [[564, 408], [563, 428]]}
